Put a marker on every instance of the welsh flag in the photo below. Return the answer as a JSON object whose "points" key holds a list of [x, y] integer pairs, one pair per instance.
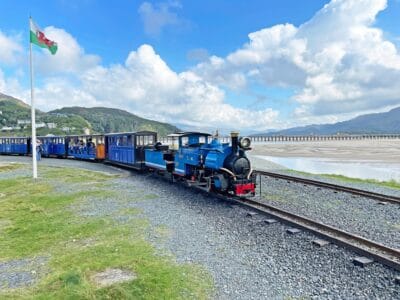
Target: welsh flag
{"points": [[38, 38]]}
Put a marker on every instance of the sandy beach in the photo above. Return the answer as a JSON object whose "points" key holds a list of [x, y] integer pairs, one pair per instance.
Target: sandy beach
{"points": [[378, 150]]}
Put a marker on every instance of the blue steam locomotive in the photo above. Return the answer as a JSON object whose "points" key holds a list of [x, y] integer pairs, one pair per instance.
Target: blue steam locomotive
{"points": [[199, 159], [204, 162]]}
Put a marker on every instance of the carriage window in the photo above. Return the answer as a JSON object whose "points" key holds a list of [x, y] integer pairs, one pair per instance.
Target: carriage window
{"points": [[202, 139], [129, 143], [146, 140], [124, 141], [151, 139], [185, 141]]}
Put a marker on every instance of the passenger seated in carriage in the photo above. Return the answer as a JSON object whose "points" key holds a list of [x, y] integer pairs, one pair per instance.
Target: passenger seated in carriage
{"points": [[90, 143]]}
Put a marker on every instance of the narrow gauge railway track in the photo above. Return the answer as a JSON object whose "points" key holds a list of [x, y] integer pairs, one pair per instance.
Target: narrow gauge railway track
{"points": [[336, 187], [378, 252]]}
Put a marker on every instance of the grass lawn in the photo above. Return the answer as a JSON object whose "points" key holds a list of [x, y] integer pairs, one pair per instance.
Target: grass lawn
{"points": [[9, 167], [390, 184], [37, 220]]}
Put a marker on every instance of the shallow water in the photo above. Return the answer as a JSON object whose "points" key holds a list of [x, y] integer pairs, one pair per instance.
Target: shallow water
{"points": [[364, 169]]}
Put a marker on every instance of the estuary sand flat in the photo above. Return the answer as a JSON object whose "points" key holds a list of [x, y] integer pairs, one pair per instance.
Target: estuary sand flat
{"points": [[380, 150]]}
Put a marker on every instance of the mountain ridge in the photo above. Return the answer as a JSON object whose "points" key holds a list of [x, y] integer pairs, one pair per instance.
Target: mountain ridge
{"points": [[374, 123], [15, 120]]}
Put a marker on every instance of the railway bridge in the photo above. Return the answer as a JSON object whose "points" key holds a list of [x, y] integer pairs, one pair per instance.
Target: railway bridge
{"points": [[307, 138], [318, 138]]}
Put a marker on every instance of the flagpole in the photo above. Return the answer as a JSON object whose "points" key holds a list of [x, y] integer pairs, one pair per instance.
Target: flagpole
{"points": [[33, 121]]}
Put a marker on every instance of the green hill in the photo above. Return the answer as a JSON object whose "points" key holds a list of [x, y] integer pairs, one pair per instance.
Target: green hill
{"points": [[15, 116], [15, 120], [105, 120]]}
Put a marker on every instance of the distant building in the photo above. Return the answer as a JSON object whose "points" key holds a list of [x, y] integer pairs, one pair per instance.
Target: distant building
{"points": [[16, 128], [6, 128], [51, 125], [86, 130], [67, 129], [59, 115], [40, 125], [23, 122], [1, 112]]}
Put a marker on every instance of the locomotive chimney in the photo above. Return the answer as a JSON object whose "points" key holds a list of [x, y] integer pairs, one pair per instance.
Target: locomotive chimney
{"points": [[235, 141]]}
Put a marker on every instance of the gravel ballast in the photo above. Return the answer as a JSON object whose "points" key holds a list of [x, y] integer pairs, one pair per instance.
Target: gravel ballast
{"points": [[354, 214], [247, 258], [360, 215]]}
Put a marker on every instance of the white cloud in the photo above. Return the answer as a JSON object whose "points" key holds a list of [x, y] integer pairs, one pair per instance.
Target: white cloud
{"points": [[338, 62], [10, 48], [70, 56], [197, 54], [144, 85], [156, 17], [148, 87]]}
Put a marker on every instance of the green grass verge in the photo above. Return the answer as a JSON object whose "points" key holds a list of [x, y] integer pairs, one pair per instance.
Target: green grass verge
{"points": [[9, 167], [391, 184], [37, 221]]}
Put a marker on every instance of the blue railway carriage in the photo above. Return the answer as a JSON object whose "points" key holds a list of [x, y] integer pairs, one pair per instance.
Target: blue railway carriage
{"points": [[87, 147], [15, 145], [53, 146], [128, 148]]}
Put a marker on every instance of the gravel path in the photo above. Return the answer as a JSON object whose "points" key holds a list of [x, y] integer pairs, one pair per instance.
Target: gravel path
{"points": [[22, 272], [247, 258]]}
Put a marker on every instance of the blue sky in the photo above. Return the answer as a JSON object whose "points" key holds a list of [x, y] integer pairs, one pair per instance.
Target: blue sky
{"points": [[112, 30], [189, 37]]}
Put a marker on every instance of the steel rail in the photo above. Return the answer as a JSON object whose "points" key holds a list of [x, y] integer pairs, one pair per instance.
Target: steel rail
{"points": [[378, 252], [354, 191]]}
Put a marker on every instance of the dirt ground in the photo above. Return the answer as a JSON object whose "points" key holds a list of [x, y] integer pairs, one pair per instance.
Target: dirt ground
{"points": [[380, 150]]}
